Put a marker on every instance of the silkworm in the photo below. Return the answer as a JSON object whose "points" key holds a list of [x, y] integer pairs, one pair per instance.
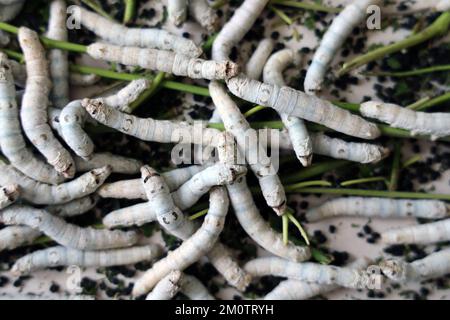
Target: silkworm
{"points": [[236, 124], [73, 208], [204, 14], [12, 237], [432, 266], [341, 27], [12, 141], [117, 163], [64, 233], [192, 288], [83, 80], [61, 256], [309, 272], [255, 64], [167, 288], [136, 37], [41, 193], [379, 207], [443, 5], [59, 63], [177, 11], [10, 11], [257, 228], [166, 61], [8, 195], [296, 128], [191, 250], [433, 124], [33, 112], [300, 290], [421, 234]]}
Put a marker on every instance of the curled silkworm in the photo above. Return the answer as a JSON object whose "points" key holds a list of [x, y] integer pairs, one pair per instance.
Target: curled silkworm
{"points": [[236, 28], [168, 287], [310, 272], [59, 63], [8, 195], [257, 228], [434, 265], [12, 141], [177, 11], [204, 14], [191, 250], [61, 256], [83, 80], [261, 165], [117, 163], [433, 124], [33, 112], [379, 207], [192, 288], [166, 61], [299, 104], [255, 64], [73, 208], [12, 237], [64, 233], [301, 290], [41, 193], [427, 233], [341, 27], [296, 128], [10, 11]]}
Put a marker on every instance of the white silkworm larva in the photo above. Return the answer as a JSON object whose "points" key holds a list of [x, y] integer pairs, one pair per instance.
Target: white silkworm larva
{"points": [[117, 163], [296, 128], [299, 104], [379, 207], [9, 12], [255, 65], [12, 237], [73, 208], [204, 14], [427, 233], [443, 5], [128, 94], [235, 29], [166, 61], [12, 141], [434, 265], [257, 228], [434, 124], [341, 27], [236, 124], [300, 290], [191, 250], [310, 272], [64, 233], [61, 256], [83, 80], [33, 112], [177, 11], [59, 63], [136, 37], [41, 193], [8, 195], [192, 288], [168, 287]]}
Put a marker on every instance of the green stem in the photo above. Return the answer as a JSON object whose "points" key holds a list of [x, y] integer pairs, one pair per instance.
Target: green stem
{"points": [[130, 9], [178, 86], [361, 181], [218, 4], [97, 8], [253, 110], [105, 73], [13, 54], [198, 214], [207, 45], [395, 171], [305, 184], [156, 84], [419, 103], [285, 222], [315, 170], [283, 16], [321, 257], [411, 161], [435, 101], [298, 225], [305, 5], [410, 72], [438, 27]]}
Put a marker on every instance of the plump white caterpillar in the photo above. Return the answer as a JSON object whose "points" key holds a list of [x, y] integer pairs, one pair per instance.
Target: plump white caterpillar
{"points": [[257, 228], [117, 163], [296, 128], [12, 237], [434, 265], [195, 247], [59, 63], [192, 288], [61, 256], [166, 61], [301, 290], [236, 124], [12, 141], [421, 234], [73, 117], [10, 11], [136, 37], [33, 112], [83, 80], [379, 207], [73, 208], [41, 193], [66, 234], [255, 65], [341, 27], [299, 104], [235, 29], [8, 195], [434, 124], [309, 272], [177, 11], [168, 287], [204, 14]]}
